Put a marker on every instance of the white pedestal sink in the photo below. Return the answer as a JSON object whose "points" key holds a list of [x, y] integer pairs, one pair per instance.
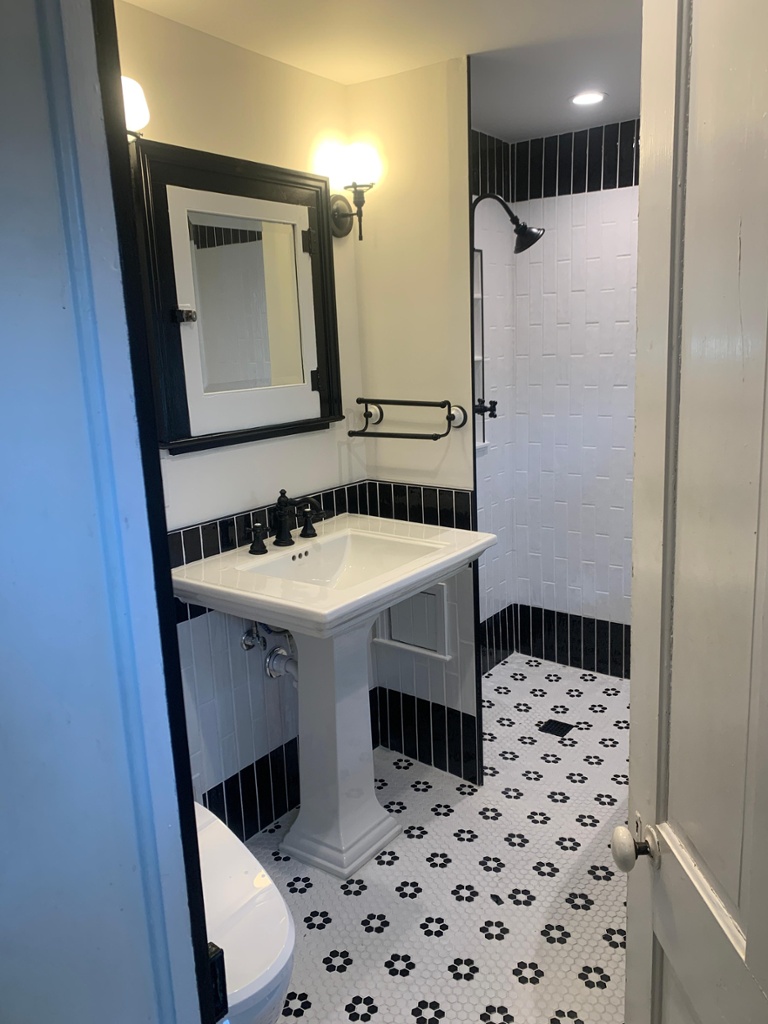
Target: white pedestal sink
{"points": [[328, 591]]}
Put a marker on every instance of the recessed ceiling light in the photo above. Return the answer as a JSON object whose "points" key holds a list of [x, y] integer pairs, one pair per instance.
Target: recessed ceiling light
{"points": [[586, 99]]}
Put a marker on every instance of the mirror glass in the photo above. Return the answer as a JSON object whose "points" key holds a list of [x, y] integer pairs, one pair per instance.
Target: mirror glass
{"points": [[246, 292]]}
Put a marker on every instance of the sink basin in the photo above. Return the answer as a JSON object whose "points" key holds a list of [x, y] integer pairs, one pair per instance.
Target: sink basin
{"points": [[355, 568], [328, 591]]}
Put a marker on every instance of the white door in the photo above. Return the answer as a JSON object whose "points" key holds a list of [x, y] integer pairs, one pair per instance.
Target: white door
{"points": [[698, 918]]}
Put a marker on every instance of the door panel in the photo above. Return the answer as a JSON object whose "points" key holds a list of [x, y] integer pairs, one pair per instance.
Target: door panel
{"points": [[698, 941], [675, 1008], [724, 315]]}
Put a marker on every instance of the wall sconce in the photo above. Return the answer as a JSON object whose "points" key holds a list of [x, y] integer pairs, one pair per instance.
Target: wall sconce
{"points": [[135, 104], [342, 213]]}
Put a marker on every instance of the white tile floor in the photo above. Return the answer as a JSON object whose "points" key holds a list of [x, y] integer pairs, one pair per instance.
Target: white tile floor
{"points": [[494, 905]]}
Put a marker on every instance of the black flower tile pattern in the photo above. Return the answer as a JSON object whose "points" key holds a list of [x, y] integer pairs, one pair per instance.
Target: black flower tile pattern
{"points": [[496, 904]]}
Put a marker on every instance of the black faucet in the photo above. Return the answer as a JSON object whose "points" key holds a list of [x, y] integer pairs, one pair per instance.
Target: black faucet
{"points": [[284, 515]]}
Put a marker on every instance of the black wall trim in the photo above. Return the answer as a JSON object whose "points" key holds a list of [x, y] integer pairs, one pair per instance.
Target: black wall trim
{"points": [[409, 502], [427, 732], [603, 157], [592, 644], [108, 62]]}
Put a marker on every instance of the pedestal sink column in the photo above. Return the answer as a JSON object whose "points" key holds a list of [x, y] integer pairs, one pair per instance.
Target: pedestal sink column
{"points": [[341, 824]]}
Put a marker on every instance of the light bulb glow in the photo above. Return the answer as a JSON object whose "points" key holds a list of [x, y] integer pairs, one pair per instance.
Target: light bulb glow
{"points": [[342, 162], [587, 99], [135, 103], [363, 163]]}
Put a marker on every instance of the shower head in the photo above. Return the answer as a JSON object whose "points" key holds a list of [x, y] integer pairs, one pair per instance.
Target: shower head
{"points": [[525, 236]]}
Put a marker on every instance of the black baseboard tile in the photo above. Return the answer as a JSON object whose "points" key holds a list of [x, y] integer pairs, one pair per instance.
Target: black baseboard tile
{"points": [[595, 645]]}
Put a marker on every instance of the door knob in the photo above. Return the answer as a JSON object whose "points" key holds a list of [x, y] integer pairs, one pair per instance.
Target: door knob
{"points": [[626, 849]]}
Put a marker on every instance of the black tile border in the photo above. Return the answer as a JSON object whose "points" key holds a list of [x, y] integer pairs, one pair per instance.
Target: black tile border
{"points": [[589, 160], [415, 503], [595, 645], [427, 732]]}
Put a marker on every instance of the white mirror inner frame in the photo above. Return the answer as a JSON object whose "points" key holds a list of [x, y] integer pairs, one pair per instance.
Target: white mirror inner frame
{"points": [[213, 412]]}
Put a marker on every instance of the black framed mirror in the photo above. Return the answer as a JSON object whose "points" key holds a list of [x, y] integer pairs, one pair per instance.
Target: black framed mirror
{"points": [[239, 295]]}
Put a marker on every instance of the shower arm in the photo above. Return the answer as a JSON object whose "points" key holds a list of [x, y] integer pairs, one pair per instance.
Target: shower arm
{"points": [[525, 236], [492, 195]]}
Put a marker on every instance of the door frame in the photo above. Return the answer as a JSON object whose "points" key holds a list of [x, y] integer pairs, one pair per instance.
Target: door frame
{"points": [[108, 66]]}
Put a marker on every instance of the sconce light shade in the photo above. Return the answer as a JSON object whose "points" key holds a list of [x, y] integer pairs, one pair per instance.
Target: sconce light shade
{"points": [[135, 103]]}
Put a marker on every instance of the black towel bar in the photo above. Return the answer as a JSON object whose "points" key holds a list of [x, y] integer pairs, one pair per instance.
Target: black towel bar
{"points": [[455, 416]]}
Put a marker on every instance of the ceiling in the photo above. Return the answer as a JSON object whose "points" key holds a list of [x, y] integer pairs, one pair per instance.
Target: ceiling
{"points": [[544, 50]]}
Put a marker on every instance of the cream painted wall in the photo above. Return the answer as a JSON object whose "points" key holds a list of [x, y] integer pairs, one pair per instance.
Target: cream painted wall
{"points": [[413, 267], [402, 294], [207, 94]]}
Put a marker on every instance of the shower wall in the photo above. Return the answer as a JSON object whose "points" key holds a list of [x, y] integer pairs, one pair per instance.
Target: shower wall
{"points": [[554, 479]]}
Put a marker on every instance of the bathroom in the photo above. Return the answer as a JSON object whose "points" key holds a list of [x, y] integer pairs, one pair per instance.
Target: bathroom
{"points": [[240, 720]]}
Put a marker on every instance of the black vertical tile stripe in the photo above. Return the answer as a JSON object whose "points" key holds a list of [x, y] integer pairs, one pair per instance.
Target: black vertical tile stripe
{"points": [[463, 510], [424, 730], [637, 153], [431, 516], [340, 500], [595, 160], [536, 169], [504, 184], [373, 499], [328, 502], [227, 534], [627, 132], [610, 155], [439, 736], [279, 788], [565, 164], [193, 547], [498, 184], [264, 791], [400, 496], [250, 801], [469, 748], [474, 163], [512, 173], [522, 160], [292, 771], [550, 167], [395, 720], [210, 534], [408, 708], [415, 507], [175, 549], [242, 527], [453, 721], [234, 809], [353, 505], [483, 149], [383, 717], [373, 702], [579, 174], [386, 501], [445, 504], [214, 801], [362, 499]]}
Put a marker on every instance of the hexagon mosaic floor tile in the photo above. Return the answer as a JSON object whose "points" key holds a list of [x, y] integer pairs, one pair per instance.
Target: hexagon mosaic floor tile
{"points": [[495, 905]]}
